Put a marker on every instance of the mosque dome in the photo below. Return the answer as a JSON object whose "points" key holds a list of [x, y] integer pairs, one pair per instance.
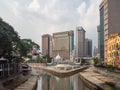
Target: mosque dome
{"points": [[58, 57]]}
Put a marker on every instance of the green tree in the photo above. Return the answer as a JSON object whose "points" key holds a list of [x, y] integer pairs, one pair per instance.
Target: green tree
{"points": [[11, 44], [96, 60], [26, 45], [48, 58], [8, 38], [82, 61]]}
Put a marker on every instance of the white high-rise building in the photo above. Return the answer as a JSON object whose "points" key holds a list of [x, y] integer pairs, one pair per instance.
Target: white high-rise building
{"points": [[80, 42]]}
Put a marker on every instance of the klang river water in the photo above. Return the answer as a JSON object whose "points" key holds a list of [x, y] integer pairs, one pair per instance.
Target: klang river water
{"points": [[49, 82]]}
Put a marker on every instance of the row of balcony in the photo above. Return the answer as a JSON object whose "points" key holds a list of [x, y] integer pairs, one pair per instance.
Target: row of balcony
{"points": [[114, 47]]}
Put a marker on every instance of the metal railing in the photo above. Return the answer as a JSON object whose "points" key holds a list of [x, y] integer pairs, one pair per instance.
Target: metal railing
{"points": [[8, 69]]}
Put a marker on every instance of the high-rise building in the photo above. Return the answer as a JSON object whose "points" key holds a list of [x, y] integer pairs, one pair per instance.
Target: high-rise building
{"points": [[109, 21], [46, 44], [51, 45], [88, 48], [63, 44], [101, 31], [95, 51], [80, 42], [98, 30]]}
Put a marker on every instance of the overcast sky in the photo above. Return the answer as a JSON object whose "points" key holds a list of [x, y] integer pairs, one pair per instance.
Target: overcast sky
{"points": [[32, 18]]}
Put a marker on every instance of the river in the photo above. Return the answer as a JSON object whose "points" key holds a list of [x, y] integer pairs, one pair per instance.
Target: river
{"points": [[49, 82]]}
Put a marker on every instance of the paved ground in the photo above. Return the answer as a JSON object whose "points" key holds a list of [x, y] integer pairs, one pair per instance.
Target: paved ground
{"points": [[9, 83], [103, 79], [31, 83]]}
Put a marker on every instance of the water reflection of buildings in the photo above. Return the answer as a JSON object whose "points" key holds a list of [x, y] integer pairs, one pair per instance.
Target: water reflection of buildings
{"points": [[50, 82], [76, 83], [53, 83]]}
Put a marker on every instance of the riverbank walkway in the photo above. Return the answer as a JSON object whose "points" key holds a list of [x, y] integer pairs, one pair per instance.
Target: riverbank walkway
{"points": [[100, 79], [31, 83]]}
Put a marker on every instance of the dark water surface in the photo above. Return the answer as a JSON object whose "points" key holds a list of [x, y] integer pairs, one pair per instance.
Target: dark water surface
{"points": [[49, 82]]}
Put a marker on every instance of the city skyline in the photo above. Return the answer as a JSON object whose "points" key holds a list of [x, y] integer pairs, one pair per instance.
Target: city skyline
{"points": [[31, 19], [79, 45]]}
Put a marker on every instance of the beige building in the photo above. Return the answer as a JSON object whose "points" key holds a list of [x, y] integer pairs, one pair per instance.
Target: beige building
{"points": [[110, 13], [63, 44], [113, 50], [46, 44]]}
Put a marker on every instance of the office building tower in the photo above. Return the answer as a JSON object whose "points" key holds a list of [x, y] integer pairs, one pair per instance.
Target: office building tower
{"points": [[88, 48], [109, 21], [80, 42], [95, 51], [46, 44], [63, 44], [98, 30]]}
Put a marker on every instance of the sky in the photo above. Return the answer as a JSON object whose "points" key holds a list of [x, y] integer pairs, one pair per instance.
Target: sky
{"points": [[33, 18]]}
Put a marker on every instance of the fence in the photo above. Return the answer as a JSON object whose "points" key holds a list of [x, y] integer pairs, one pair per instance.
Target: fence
{"points": [[8, 69]]}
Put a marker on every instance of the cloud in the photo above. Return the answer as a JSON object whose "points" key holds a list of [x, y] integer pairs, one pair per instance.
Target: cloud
{"points": [[14, 8], [32, 18], [82, 9], [34, 6]]}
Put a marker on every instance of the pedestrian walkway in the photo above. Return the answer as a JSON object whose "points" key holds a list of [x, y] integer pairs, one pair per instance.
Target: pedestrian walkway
{"points": [[107, 72], [30, 84], [104, 82]]}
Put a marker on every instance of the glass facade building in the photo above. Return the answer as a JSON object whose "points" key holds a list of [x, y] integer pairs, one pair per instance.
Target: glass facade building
{"points": [[90, 48], [98, 30], [71, 43], [102, 33]]}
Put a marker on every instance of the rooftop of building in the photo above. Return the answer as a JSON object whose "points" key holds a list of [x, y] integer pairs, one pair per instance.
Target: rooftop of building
{"points": [[64, 32], [80, 29], [114, 35], [101, 4], [46, 35]]}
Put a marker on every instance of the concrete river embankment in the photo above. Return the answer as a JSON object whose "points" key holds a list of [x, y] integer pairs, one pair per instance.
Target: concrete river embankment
{"points": [[77, 79], [100, 80], [87, 76], [38, 71], [60, 73]]}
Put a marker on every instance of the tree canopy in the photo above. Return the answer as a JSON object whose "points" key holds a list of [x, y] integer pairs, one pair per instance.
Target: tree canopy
{"points": [[10, 42], [26, 45], [8, 38]]}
